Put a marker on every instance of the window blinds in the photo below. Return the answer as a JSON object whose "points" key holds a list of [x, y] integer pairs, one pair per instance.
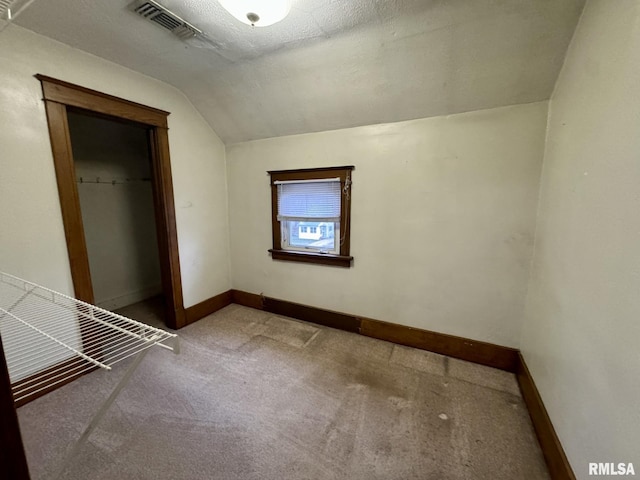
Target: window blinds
{"points": [[309, 199]]}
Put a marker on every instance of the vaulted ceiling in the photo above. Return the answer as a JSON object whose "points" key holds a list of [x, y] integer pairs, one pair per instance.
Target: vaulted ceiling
{"points": [[331, 63]]}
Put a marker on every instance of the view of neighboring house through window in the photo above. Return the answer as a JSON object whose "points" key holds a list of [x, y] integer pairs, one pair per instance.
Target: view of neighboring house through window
{"points": [[312, 235], [311, 210]]}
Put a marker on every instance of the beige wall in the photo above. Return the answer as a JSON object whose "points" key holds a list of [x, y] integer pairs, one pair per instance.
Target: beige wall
{"points": [[442, 220], [32, 242], [582, 328]]}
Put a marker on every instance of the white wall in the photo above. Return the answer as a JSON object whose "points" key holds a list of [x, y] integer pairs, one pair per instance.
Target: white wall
{"points": [[32, 242], [442, 220], [118, 218], [582, 328]]}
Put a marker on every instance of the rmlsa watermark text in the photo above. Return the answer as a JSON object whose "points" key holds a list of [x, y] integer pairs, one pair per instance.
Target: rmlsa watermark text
{"points": [[611, 469]]}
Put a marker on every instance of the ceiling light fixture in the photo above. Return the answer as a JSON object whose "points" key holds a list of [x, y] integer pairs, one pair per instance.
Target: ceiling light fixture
{"points": [[257, 13]]}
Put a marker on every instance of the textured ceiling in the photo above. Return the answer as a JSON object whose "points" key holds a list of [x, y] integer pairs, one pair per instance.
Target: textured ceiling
{"points": [[331, 63]]}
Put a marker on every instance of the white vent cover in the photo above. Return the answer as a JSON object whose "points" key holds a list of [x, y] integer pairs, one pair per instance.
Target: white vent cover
{"points": [[155, 12]]}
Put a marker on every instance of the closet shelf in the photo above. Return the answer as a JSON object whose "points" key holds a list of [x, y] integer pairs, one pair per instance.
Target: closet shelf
{"points": [[50, 338]]}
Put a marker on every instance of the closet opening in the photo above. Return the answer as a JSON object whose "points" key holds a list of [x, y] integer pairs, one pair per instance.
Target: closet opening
{"points": [[113, 171], [113, 176]]}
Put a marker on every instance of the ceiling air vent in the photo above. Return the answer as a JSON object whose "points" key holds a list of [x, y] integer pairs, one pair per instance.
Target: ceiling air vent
{"points": [[5, 12], [155, 12]]}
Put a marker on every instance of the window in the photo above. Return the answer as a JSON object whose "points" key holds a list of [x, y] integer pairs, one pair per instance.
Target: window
{"points": [[311, 215]]}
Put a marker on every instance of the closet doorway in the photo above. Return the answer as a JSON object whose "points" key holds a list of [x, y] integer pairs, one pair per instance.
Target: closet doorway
{"points": [[71, 113], [113, 177]]}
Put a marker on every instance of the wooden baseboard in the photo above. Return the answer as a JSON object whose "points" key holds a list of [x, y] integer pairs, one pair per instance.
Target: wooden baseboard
{"points": [[554, 455], [48, 380], [328, 318], [247, 299], [209, 306], [488, 354]]}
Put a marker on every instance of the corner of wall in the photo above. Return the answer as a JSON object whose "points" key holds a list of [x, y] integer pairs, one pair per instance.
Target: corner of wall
{"points": [[550, 104]]}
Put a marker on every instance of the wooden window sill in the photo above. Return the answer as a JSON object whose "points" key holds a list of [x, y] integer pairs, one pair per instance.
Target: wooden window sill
{"points": [[308, 257]]}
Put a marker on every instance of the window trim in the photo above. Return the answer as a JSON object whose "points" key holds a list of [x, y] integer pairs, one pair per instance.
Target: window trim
{"points": [[278, 252]]}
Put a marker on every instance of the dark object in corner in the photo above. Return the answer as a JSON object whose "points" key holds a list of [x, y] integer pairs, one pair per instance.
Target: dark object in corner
{"points": [[13, 462]]}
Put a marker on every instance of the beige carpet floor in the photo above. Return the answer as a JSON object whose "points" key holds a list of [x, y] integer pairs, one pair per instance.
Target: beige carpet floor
{"points": [[257, 396]]}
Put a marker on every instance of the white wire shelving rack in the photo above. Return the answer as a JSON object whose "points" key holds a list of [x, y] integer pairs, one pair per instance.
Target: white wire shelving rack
{"points": [[50, 339]]}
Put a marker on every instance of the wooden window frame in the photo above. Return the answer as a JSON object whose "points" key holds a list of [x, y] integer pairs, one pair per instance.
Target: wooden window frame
{"points": [[344, 259]]}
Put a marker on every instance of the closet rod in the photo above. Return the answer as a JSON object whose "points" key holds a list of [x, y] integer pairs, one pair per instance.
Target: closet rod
{"points": [[114, 181]]}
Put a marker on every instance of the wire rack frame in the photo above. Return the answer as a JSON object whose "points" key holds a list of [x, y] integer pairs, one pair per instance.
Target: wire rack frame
{"points": [[50, 338]]}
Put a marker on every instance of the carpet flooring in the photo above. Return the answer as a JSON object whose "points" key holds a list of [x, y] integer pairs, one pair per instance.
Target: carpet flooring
{"points": [[256, 396]]}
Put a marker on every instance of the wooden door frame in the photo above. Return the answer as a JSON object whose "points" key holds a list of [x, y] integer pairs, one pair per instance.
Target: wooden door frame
{"points": [[58, 97]]}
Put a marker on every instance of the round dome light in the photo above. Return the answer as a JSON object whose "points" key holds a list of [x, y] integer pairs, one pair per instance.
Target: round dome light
{"points": [[257, 13]]}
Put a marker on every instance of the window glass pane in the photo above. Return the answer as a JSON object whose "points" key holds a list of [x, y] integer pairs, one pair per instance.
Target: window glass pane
{"points": [[320, 236]]}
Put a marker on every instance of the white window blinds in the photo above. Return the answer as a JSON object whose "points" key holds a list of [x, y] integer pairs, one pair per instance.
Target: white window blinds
{"points": [[309, 199]]}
